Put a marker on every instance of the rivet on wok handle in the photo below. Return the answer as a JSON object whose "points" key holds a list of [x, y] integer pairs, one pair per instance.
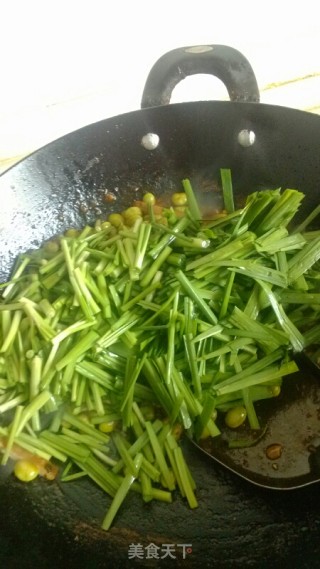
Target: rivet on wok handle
{"points": [[246, 138], [150, 141], [224, 62]]}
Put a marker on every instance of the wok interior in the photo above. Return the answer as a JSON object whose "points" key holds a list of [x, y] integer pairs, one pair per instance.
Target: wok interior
{"points": [[69, 182], [64, 185]]}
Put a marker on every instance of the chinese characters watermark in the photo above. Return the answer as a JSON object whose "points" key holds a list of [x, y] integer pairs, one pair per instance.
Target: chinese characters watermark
{"points": [[165, 550]]}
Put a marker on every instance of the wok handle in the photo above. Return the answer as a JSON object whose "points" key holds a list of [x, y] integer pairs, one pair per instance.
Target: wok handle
{"points": [[222, 61]]}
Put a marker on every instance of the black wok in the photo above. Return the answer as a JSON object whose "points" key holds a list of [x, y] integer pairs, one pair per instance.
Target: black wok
{"points": [[66, 184]]}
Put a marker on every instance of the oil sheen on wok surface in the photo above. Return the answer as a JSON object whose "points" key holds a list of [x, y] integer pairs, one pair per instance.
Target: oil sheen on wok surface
{"points": [[192, 156]]}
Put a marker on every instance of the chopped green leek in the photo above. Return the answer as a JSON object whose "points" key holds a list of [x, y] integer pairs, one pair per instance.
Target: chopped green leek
{"points": [[119, 338]]}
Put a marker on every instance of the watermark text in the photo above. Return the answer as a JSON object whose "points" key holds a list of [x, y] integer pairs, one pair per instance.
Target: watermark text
{"points": [[163, 551]]}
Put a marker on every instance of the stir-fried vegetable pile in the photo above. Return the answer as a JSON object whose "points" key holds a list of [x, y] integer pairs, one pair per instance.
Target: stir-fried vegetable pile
{"points": [[117, 338]]}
